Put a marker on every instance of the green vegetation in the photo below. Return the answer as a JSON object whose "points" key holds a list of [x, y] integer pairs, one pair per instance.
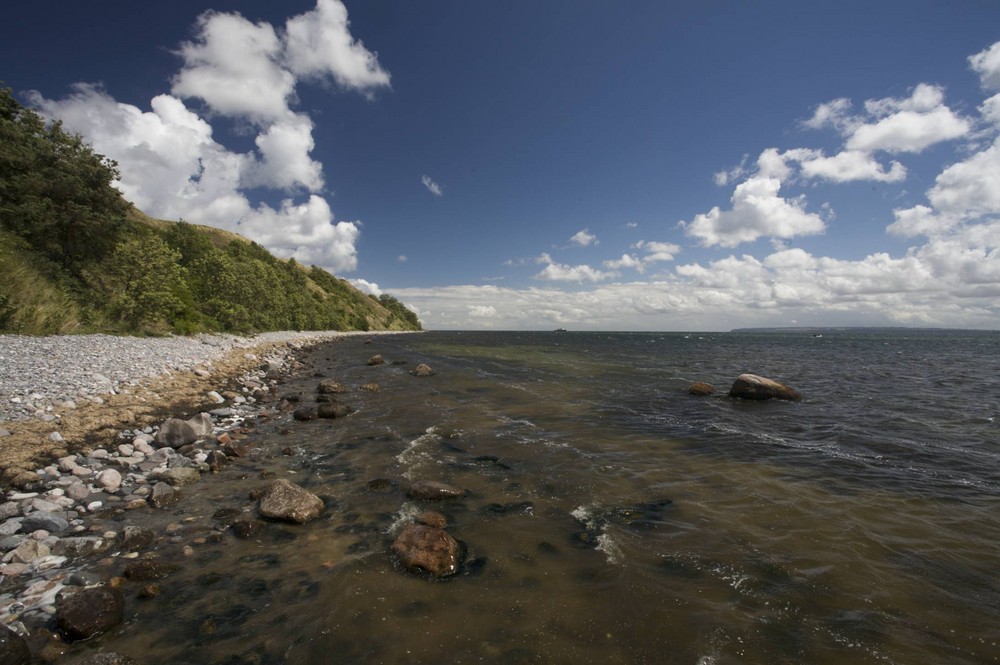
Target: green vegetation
{"points": [[75, 256]]}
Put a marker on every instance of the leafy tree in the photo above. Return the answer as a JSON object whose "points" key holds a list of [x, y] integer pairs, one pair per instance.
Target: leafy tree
{"points": [[148, 282], [55, 191]]}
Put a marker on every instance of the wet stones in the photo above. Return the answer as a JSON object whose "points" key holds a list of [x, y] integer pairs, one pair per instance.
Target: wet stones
{"points": [[754, 387], [146, 570], [330, 387], [432, 490], [246, 528], [89, 612], [427, 549], [431, 518], [136, 538], [376, 360], [180, 476], [423, 370], [286, 501], [163, 495], [305, 413]]}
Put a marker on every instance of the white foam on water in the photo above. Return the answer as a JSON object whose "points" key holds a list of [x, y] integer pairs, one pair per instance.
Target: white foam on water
{"points": [[413, 456], [606, 543], [405, 515], [584, 515]]}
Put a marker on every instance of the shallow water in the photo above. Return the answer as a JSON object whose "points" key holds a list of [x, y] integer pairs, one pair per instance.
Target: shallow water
{"points": [[611, 517]]}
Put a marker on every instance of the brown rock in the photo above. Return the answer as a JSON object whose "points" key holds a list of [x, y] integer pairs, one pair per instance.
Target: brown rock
{"points": [[751, 386], [376, 360], [235, 450], [13, 648], [432, 490], [163, 495], [422, 548], [247, 528], [305, 413], [333, 410], [423, 370], [216, 460], [371, 387], [136, 538], [145, 570], [284, 500], [89, 612], [701, 389], [330, 387], [432, 518]]}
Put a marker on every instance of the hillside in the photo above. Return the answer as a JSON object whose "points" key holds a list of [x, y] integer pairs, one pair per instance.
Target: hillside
{"points": [[76, 257]]}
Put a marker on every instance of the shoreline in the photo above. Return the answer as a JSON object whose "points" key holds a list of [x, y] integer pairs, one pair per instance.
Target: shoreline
{"points": [[76, 421]]}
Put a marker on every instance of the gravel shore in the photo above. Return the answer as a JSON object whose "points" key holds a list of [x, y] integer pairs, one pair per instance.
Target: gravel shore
{"points": [[40, 374]]}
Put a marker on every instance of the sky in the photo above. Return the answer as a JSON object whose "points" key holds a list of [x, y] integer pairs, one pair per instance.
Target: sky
{"points": [[584, 164]]}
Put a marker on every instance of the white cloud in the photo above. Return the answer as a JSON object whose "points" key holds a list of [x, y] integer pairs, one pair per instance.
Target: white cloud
{"points": [[970, 188], [986, 63], [402, 258], [365, 286], [483, 311], [851, 165], [757, 212], [835, 113], [558, 272], [284, 147], [909, 124], [319, 44], [658, 251], [432, 186], [626, 261], [583, 238], [172, 166], [233, 66]]}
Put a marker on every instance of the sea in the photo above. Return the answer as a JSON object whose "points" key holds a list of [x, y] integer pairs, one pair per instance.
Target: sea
{"points": [[610, 516]]}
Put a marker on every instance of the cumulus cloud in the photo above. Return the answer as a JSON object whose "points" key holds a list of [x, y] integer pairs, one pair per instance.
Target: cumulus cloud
{"points": [[319, 45], [172, 164], [432, 186], [583, 238], [757, 211], [365, 286], [986, 63], [558, 272], [626, 261]]}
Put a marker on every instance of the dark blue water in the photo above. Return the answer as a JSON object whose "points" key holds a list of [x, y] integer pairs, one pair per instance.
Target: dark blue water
{"points": [[637, 523]]}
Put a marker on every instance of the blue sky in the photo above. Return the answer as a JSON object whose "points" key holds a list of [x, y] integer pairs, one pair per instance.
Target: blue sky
{"points": [[589, 165]]}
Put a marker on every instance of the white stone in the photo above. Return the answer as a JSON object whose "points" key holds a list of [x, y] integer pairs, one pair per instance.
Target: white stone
{"points": [[94, 505], [55, 437], [216, 397]]}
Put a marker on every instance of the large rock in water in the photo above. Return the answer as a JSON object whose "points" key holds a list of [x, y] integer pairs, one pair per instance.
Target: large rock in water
{"points": [[284, 500], [751, 386], [89, 612], [13, 649], [432, 490], [422, 548], [175, 433]]}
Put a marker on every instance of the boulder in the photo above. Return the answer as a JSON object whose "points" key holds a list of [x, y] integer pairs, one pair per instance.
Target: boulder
{"points": [[89, 612], [432, 490], [305, 413], [428, 549], [284, 500], [163, 495], [202, 424], [175, 433], [376, 360], [179, 476], [423, 370], [50, 522], [333, 410], [432, 518], [216, 460], [136, 538], [330, 387], [109, 480], [701, 389], [751, 386], [13, 648]]}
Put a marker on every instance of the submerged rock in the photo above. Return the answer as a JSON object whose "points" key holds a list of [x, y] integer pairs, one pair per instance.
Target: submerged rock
{"points": [[376, 360], [333, 410], [431, 490], [330, 387], [428, 549], [89, 612], [423, 370], [304, 413], [13, 648], [431, 518], [752, 386], [284, 500], [701, 389]]}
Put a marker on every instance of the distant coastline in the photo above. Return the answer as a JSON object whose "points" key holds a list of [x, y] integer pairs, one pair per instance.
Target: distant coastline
{"points": [[870, 329]]}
